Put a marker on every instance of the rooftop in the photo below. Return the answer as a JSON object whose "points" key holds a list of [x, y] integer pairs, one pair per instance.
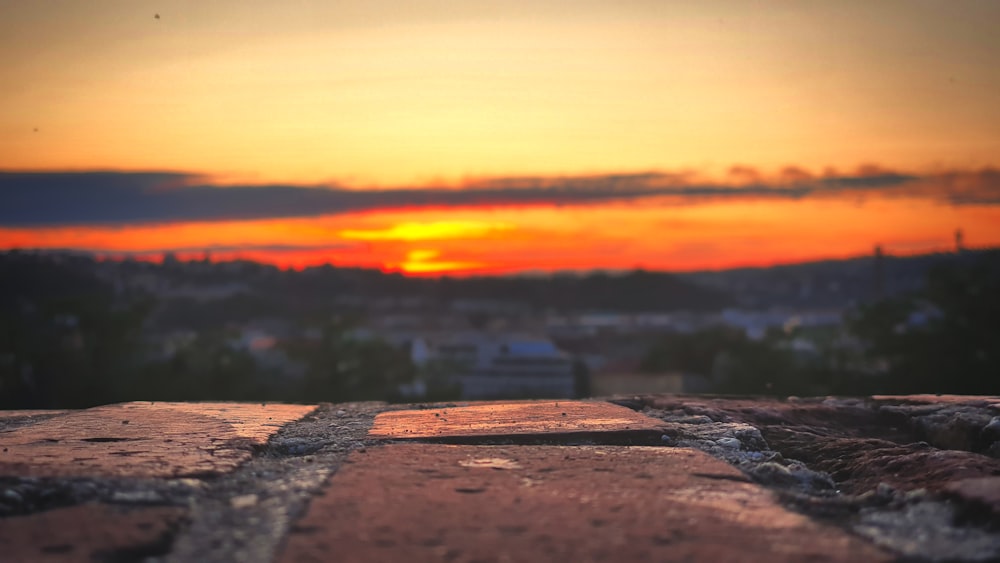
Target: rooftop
{"points": [[647, 478]]}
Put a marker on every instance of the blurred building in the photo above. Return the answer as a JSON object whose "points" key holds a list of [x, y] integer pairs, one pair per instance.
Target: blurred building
{"points": [[625, 378], [489, 366]]}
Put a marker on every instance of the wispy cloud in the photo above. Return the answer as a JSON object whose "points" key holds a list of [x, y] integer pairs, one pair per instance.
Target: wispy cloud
{"points": [[221, 249], [35, 199]]}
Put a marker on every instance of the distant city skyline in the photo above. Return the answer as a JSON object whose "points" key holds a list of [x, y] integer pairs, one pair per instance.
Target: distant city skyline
{"points": [[493, 137]]}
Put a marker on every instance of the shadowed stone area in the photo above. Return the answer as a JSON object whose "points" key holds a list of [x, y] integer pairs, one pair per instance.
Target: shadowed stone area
{"points": [[858, 443], [143, 440], [432, 502], [30, 414], [10, 420], [892, 469], [245, 515], [89, 532], [984, 491], [948, 421], [512, 419]]}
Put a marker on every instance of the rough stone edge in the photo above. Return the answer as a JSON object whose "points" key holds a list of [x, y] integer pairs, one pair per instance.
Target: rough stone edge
{"points": [[245, 515]]}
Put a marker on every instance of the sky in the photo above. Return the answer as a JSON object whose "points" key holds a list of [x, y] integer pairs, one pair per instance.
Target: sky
{"points": [[467, 137]]}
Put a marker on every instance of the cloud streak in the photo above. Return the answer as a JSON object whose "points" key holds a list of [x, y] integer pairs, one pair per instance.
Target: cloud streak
{"points": [[40, 199], [217, 248]]}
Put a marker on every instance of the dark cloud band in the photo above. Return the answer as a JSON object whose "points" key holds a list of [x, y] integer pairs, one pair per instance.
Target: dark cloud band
{"points": [[107, 198]]}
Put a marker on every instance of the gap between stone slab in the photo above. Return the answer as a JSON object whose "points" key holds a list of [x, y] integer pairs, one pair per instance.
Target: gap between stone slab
{"points": [[241, 515], [245, 515], [585, 438]]}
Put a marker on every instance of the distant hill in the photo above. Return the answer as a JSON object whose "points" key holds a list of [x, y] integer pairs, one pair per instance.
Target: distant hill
{"points": [[265, 291], [631, 291], [26, 278], [256, 290], [832, 283]]}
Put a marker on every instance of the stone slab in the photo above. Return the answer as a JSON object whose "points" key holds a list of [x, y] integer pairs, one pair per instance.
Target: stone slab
{"points": [[852, 440], [929, 399], [144, 440], [11, 420], [435, 502], [513, 418], [981, 490], [89, 532], [30, 413]]}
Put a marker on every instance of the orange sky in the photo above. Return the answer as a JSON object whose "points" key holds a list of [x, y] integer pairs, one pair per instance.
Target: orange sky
{"points": [[706, 235], [388, 94]]}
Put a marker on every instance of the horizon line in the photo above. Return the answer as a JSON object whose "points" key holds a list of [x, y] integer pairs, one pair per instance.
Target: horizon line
{"points": [[157, 257]]}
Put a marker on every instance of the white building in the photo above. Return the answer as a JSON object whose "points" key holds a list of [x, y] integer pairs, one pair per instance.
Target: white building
{"points": [[502, 366]]}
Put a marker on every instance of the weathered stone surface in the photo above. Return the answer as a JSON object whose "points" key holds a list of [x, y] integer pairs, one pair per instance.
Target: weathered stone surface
{"points": [[89, 532], [228, 526], [743, 446], [857, 443], [950, 422], [143, 440], [20, 496], [925, 529], [893, 486], [419, 502], [983, 490], [12, 420], [509, 419], [928, 399], [31, 413]]}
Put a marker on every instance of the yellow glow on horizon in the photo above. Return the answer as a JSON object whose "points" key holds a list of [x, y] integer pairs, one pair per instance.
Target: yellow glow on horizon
{"points": [[434, 230], [658, 234], [422, 255], [424, 261]]}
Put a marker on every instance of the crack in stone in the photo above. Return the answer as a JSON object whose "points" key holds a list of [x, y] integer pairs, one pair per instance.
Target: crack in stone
{"points": [[283, 475]]}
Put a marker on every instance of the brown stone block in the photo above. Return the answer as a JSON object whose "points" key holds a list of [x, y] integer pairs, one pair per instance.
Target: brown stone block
{"points": [[432, 502], [928, 399], [513, 418], [32, 413], [143, 440], [89, 532], [981, 490]]}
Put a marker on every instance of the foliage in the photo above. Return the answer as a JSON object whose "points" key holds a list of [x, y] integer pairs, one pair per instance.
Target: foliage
{"points": [[68, 340], [342, 367], [440, 378], [942, 339], [64, 340], [737, 364], [946, 339], [206, 369], [691, 352]]}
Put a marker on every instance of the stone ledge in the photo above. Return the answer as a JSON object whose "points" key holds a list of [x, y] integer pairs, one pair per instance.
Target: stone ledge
{"points": [[539, 419], [430, 502], [833, 479], [89, 532], [143, 440]]}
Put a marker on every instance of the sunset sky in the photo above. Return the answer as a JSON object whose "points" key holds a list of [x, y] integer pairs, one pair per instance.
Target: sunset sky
{"points": [[492, 137]]}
